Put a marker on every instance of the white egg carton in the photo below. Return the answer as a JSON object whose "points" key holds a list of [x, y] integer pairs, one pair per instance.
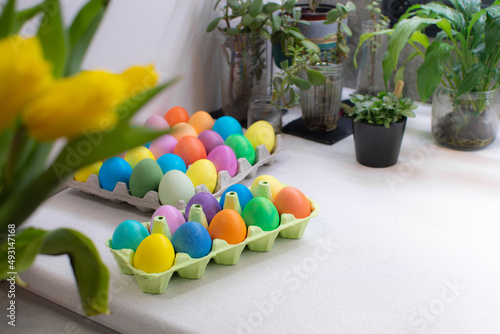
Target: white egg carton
{"points": [[151, 201]]}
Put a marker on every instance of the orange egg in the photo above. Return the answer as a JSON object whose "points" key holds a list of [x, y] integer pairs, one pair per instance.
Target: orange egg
{"points": [[292, 200], [176, 115], [182, 130], [228, 225], [190, 149], [201, 121]]}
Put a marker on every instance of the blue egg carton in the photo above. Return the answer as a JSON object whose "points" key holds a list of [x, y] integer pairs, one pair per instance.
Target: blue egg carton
{"points": [[221, 253], [151, 201]]}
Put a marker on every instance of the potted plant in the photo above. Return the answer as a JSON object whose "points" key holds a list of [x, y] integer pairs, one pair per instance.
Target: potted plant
{"points": [[319, 77], [378, 126], [460, 68], [370, 78]]}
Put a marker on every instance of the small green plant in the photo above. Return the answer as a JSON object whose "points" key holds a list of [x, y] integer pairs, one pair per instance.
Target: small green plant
{"points": [[313, 4], [383, 109], [379, 19]]}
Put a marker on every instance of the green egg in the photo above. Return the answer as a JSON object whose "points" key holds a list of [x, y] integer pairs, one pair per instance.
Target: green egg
{"points": [[145, 176], [261, 212], [241, 146]]}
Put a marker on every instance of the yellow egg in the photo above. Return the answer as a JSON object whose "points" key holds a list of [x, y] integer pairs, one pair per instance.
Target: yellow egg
{"points": [[135, 155], [155, 254], [83, 174], [261, 133], [276, 185], [203, 172]]}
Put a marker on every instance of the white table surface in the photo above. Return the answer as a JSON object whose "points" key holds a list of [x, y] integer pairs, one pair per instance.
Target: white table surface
{"points": [[406, 249]]}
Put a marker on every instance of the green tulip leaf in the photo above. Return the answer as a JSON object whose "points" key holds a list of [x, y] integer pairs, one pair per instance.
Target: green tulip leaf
{"points": [[7, 19], [25, 15]]}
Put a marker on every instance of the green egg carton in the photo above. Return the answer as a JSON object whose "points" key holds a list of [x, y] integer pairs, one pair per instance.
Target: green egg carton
{"points": [[222, 252]]}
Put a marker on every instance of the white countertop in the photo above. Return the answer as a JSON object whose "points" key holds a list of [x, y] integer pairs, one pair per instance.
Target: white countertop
{"points": [[406, 249]]}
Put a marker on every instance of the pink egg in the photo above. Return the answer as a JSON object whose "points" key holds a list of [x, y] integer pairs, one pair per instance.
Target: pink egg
{"points": [[156, 122], [162, 145], [173, 217], [223, 158], [210, 139]]}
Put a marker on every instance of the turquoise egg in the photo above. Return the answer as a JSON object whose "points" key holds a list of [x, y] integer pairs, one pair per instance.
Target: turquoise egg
{"points": [[244, 195], [129, 234], [170, 162], [226, 126], [192, 238], [112, 171], [261, 212]]}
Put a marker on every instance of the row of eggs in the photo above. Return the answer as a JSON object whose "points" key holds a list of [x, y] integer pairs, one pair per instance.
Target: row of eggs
{"points": [[193, 233], [217, 147]]}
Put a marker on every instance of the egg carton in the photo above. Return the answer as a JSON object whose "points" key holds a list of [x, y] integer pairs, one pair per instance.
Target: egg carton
{"points": [[222, 252], [151, 201]]}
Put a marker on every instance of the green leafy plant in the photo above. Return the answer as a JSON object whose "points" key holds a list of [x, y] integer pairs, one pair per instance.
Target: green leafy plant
{"points": [[383, 109], [28, 173], [297, 72]]}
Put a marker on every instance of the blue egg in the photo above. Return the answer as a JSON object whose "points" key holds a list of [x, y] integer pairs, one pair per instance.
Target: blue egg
{"points": [[170, 162], [226, 126], [129, 234], [192, 238], [244, 195], [147, 144], [112, 171]]}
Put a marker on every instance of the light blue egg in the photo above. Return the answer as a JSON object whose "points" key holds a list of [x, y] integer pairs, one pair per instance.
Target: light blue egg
{"points": [[112, 171], [244, 195], [170, 162], [226, 126], [129, 234]]}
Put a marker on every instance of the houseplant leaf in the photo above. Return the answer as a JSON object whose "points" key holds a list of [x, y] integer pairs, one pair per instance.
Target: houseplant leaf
{"points": [[316, 78], [429, 74]]}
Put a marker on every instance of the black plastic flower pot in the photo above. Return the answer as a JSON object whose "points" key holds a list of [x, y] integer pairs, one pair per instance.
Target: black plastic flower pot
{"points": [[376, 145]]}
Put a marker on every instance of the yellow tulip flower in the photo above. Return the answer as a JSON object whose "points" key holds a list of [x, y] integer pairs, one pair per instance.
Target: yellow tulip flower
{"points": [[24, 74], [84, 102]]}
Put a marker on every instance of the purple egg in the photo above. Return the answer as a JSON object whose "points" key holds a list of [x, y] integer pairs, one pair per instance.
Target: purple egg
{"points": [[173, 216], [210, 139], [163, 145], [208, 202], [156, 122], [224, 158]]}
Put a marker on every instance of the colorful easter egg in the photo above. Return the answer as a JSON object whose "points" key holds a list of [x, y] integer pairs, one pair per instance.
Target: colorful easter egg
{"points": [[146, 176], [135, 155], [156, 122], [83, 174], [210, 139], [244, 195], [241, 146], [170, 162], [162, 145], [261, 133], [112, 171], [172, 215], [203, 172], [128, 234], [224, 158], [190, 149], [276, 185], [201, 121], [208, 202], [193, 239], [229, 226], [226, 126], [261, 212], [175, 186], [292, 200], [155, 254], [176, 115], [182, 130]]}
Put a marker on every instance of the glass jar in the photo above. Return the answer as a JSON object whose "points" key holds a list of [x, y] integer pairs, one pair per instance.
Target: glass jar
{"points": [[321, 104], [262, 109], [243, 70], [467, 122]]}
